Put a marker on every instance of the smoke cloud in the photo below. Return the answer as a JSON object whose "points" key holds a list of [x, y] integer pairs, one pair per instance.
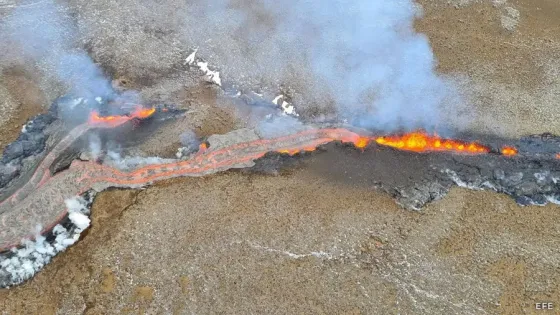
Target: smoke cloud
{"points": [[43, 31], [363, 58], [363, 55]]}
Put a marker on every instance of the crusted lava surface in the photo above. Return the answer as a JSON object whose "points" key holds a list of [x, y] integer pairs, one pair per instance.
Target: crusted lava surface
{"points": [[415, 179]]}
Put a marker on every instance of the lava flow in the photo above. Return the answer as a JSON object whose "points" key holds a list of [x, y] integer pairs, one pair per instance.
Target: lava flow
{"points": [[422, 142], [117, 120], [509, 151], [25, 204], [41, 200], [415, 141]]}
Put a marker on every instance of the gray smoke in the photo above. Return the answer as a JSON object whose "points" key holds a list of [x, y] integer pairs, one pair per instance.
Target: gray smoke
{"points": [[363, 55], [43, 32], [189, 138]]}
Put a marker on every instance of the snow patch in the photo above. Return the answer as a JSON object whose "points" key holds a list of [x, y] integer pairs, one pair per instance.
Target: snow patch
{"points": [[191, 58], [214, 77], [210, 76], [287, 108]]}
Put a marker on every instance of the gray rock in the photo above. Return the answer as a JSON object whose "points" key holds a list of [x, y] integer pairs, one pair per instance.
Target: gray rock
{"points": [[499, 174], [513, 179], [527, 188]]}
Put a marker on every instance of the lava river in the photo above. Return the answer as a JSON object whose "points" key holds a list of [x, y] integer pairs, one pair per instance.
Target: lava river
{"points": [[41, 199]]}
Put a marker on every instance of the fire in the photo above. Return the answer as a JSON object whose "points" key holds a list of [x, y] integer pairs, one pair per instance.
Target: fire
{"points": [[558, 155], [509, 151], [421, 142]]}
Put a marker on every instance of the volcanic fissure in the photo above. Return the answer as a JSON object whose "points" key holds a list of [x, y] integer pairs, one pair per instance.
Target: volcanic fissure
{"points": [[528, 170]]}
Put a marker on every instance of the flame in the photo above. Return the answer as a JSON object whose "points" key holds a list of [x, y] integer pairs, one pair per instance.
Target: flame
{"points": [[509, 151], [558, 155], [421, 142]]}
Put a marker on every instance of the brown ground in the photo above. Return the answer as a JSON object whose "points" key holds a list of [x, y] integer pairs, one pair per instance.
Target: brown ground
{"points": [[23, 99], [302, 243]]}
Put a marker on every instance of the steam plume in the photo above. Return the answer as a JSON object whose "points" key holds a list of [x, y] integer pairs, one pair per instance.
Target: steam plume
{"points": [[364, 55], [43, 32]]}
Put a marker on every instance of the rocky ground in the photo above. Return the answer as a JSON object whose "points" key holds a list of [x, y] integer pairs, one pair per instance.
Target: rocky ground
{"points": [[303, 242]]}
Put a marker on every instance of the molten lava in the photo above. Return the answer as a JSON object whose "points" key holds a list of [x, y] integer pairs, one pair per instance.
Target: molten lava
{"points": [[143, 113], [421, 142], [208, 160], [509, 151], [296, 151], [362, 142], [202, 147], [117, 120]]}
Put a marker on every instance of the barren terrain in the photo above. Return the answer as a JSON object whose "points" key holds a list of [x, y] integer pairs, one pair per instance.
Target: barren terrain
{"points": [[303, 242]]}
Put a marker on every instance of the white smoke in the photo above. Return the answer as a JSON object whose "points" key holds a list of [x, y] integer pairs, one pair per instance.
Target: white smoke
{"points": [[128, 163], [363, 55], [27, 260], [95, 146], [45, 33]]}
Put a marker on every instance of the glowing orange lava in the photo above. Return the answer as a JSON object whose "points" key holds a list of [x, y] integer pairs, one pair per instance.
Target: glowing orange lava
{"points": [[202, 147], [509, 151], [109, 121], [143, 112], [296, 151], [362, 142], [421, 142], [116, 120]]}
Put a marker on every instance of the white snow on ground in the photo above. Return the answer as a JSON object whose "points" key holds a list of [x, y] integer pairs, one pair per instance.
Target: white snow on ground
{"points": [[191, 58], [211, 76], [27, 260], [287, 109], [214, 77]]}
